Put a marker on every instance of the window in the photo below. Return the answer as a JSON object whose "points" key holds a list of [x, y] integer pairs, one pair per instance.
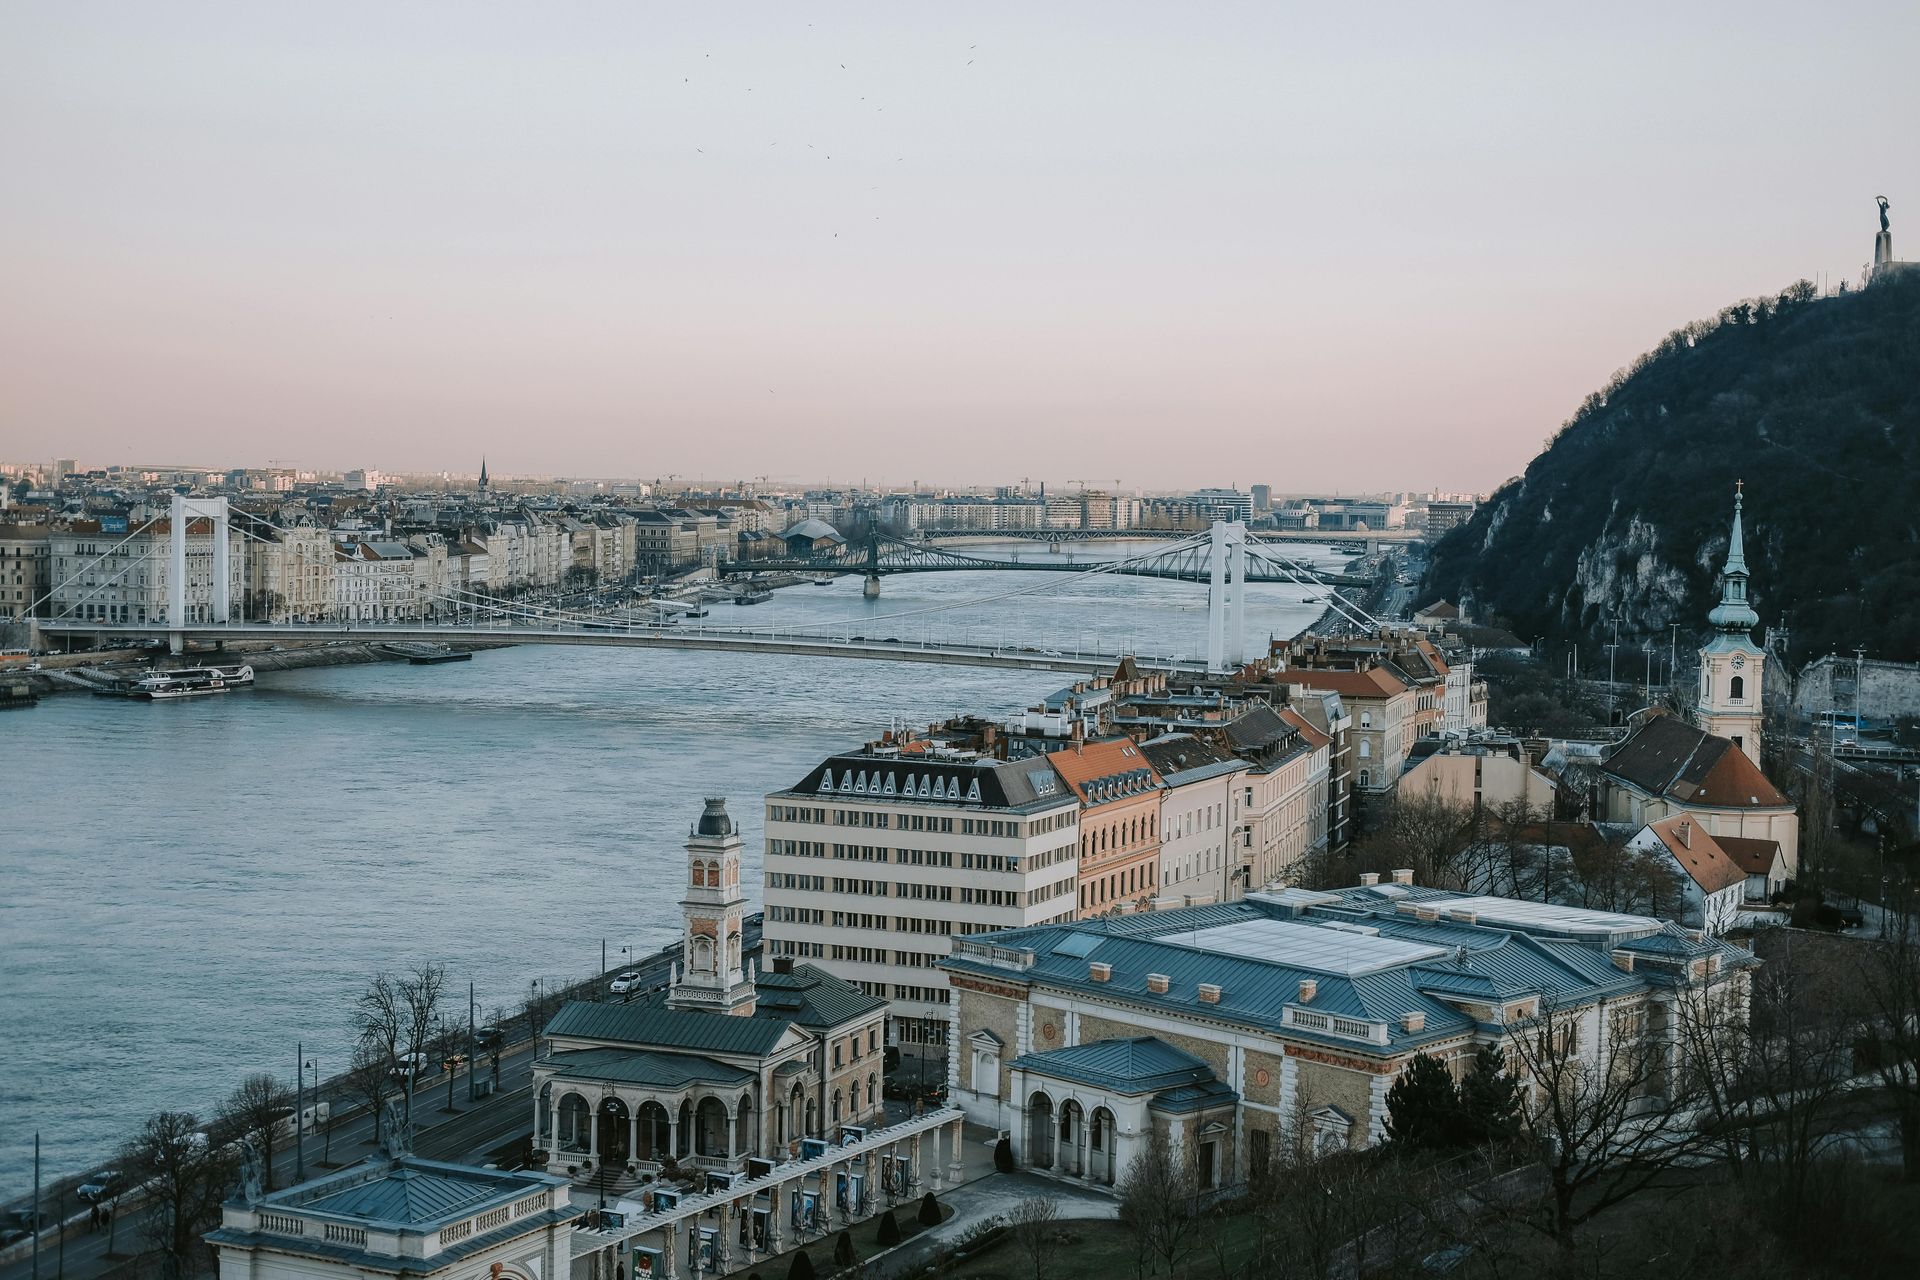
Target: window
{"points": [[1738, 688], [1366, 719], [1366, 777]]}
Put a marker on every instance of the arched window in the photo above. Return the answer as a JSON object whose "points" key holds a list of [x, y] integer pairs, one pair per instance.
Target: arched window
{"points": [[1738, 688], [1366, 749], [1366, 778]]}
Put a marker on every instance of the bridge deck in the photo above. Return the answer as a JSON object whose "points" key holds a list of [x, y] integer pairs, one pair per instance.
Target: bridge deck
{"points": [[682, 638]]}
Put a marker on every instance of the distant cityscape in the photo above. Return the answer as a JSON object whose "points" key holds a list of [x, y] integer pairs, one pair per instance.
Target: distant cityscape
{"points": [[91, 543]]}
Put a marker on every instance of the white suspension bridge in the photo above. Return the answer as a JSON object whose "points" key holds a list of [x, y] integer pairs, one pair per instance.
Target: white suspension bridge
{"points": [[1224, 557]]}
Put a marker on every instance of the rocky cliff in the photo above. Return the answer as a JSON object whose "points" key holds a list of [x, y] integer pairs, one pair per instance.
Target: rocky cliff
{"points": [[1813, 402]]}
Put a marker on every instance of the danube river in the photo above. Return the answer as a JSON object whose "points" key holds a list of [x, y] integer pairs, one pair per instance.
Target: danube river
{"points": [[194, 886]]}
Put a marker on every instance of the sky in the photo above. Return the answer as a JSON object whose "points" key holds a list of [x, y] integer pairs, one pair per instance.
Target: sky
{"points": [[1313, 246]]}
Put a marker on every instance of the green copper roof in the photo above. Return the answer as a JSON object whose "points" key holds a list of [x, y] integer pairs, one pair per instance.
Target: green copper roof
{"points": [[1733, 615], [1140, 1064]]}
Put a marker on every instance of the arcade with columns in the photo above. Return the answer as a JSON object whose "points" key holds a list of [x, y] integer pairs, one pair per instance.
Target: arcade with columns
{"points": [[724, 1065]]}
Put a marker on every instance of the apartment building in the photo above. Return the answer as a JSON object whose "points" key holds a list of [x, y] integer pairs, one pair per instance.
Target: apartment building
{"points": [[1283, 794], [114, 577], [1385, 723], [879, 857], [1200, 819], [290, 575], [1119, 793], [25, 563]]}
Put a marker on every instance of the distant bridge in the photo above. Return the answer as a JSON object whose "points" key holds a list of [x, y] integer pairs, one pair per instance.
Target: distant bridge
{"points": [[1357, 541], [620, 635], [879, 554]]}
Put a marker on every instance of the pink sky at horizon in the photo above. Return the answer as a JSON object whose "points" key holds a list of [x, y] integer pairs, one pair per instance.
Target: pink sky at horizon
{"points": [[1169, 245]]}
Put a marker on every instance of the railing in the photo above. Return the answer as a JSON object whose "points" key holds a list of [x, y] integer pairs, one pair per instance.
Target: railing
{"points": [[493, 1218], [281, 1224], [455, 1232], [337, 1234], [1335, 1025]]}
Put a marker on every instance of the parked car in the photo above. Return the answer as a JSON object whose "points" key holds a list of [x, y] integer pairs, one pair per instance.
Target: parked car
{"points": [[628, 981], [410, 1066], [99, 1186], [13, 1235], [1853, 917], [487, 1039]]}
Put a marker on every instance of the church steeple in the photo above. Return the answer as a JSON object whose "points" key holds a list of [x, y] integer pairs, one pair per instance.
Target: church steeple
{"points": [[483, 473], [710, 975], [1731, 665]]}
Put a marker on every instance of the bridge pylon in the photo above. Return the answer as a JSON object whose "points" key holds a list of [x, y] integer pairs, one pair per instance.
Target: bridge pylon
{"points": [[1226, 595], [870, 589], [219, 604]]}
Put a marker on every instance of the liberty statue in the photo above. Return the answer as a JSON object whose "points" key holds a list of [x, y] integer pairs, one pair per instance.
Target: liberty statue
{"points": [[1884, 228]]}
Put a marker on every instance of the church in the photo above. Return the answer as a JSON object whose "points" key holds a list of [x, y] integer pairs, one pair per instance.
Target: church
{"points": [[1710, 770], [725, 1064]]}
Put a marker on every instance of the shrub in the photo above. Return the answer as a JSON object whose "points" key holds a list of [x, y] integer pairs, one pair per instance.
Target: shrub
{"points": [[1003, 1156], [802, 1268], [843, 1254], [929, 1215], [889, 1233]]}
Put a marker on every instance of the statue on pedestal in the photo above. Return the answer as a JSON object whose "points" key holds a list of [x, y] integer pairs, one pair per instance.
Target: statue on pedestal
{"points": [[1884, 228]]}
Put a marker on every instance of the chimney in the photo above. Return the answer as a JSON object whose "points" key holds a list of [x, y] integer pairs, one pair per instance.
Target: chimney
{"points": [[1403, 876], [1209, 993], [783, 964], [1098, 972], [1466, 917], [1413, 1021], [1308, 987], [1157, 983], [1623, 960], [1368, 879]]}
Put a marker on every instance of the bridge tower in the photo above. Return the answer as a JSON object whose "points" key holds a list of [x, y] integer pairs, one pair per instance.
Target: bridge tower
{"points": [[219, 603], [1226, 596], [871, 588]]}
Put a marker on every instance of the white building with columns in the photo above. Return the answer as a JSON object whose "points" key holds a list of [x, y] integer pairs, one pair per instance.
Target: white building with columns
{"points": [[1285, 1018], [724, 1065], [402, 1217]]}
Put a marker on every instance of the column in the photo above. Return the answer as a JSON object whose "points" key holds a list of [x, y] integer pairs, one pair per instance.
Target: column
{"points": [[537, 1135], [723, 1255], [733, 1122], [775, 1221], [957, 1170], [593, 1133], [633, 1132], [670, 1236]]}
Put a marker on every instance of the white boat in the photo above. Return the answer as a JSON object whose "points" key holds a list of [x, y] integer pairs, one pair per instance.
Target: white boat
{"points": [[187, 682]]}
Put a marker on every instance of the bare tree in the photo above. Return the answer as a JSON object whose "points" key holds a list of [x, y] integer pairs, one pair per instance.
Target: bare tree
{"points": [[1771, 1076], [1607, 1119], [255, 1110], [419, 994], [1888, 973], [370, 1077], [1035, 1227], [1160, 1204], [380, 1016], [1426, 832], [186, 1177]]}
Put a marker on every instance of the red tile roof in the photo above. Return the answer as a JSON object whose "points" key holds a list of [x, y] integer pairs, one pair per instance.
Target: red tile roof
{"points": [[1668, 757], [1374, 682], [1698, 853], [1754, 856]]}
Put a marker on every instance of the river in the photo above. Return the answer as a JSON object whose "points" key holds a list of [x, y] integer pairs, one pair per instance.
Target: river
{"points": [[192, 887]]}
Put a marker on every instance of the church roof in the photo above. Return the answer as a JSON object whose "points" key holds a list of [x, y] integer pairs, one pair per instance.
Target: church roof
{"points": [[1668, 757]]}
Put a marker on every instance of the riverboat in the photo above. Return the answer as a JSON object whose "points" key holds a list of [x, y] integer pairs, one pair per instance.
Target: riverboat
{"points": [[754, 594], [188, 682]]}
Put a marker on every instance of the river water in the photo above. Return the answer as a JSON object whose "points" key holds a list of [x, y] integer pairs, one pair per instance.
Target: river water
{"points": [[192, 887]]}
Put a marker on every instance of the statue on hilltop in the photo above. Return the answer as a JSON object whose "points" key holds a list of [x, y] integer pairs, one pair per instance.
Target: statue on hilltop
{"points": [[1883, 213]]}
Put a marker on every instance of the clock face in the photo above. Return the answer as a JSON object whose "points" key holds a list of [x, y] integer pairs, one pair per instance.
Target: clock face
{"points": [[1739, 663]]}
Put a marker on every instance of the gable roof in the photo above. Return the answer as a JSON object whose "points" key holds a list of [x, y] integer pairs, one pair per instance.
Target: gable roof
{"points": [[1099, 772], [1698, 854], [1374, 682], [1754, 856], [649, 1024], [1668, 757]]}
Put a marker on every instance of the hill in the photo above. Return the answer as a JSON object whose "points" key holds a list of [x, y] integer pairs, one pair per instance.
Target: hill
{"points": [[1813, 402]]}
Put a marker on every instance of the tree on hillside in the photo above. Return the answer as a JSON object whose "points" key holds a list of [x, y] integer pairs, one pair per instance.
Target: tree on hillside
{"points": [[186, 1178], [255, 1110], [1888, 974]]}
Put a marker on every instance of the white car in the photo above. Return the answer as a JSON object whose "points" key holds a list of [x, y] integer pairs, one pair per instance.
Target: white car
{"points": [[628, 981]]}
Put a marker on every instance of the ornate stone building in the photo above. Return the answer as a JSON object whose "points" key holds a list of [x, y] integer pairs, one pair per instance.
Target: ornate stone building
{"points": [[726, 1063]]}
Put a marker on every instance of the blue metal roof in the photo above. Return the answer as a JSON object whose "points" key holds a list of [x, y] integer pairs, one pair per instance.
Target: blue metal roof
{"points": [[1141, 1064]]}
